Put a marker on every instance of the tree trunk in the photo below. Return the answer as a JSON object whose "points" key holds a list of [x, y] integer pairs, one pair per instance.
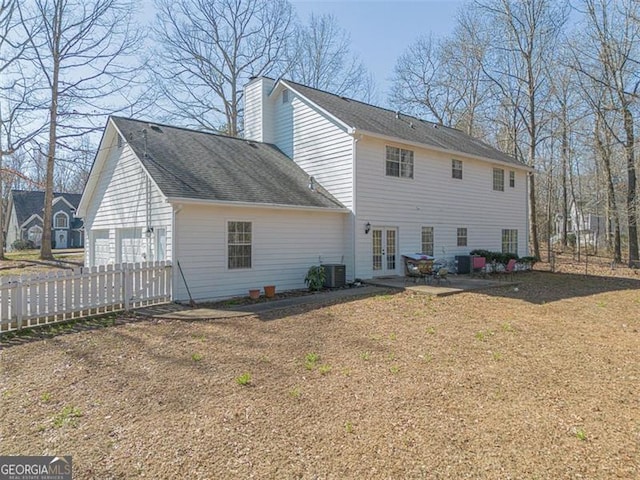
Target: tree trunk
{"points": [[2, 206], [612, 217], [565, 193], [631, 187], [47, 220]]}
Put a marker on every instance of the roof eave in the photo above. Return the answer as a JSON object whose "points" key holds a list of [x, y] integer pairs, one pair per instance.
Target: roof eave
{"points": [[426, 146], [279, 206]]}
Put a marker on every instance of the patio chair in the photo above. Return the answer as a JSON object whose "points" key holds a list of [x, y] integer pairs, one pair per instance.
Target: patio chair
{"points": [[478, 266], [508, 270]]}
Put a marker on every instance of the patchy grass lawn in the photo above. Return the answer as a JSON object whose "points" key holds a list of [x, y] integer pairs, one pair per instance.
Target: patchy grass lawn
{"points": [[26, 262], [535, 381]]}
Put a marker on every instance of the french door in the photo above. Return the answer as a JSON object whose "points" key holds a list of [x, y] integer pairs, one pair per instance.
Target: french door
{"points": [[385, 248]]}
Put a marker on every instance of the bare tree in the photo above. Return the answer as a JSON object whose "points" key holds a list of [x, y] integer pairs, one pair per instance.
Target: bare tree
{"points": [[17, 124], [322, 59], [208, 49], [526, 37], [84, 52], [444, 78], [611, 62]]}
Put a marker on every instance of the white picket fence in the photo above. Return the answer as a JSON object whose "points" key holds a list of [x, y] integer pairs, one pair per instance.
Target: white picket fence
{"points": [[26, 301]]}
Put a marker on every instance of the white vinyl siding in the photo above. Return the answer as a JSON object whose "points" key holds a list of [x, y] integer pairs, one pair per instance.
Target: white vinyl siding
{"points": [[125, 199], [258, 111], [285, 243], [317, 144], [434, 199]]}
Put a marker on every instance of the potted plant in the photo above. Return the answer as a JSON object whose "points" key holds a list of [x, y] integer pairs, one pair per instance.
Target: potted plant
{"points": [[269, 291], [254, 293], [315, 277]]}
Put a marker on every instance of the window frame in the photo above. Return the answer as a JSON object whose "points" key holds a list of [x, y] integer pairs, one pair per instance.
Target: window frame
{"points": [[456, 169], [512, 179], [498, 179], [426, 232], [462, 237], [403, 164], [240, 261], [510, 240], [57, 215]]}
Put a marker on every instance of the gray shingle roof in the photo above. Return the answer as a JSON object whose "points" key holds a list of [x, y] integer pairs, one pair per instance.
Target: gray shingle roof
{"points": [[27, 203], [205, 166], [381, 121]]}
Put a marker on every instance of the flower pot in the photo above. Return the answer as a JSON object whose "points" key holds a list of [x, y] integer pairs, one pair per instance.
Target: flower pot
{"points": [[270, 291], [254, 294]]}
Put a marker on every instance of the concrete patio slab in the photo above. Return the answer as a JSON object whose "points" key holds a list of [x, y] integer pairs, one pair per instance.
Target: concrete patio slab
{"points": [[456, 284]]}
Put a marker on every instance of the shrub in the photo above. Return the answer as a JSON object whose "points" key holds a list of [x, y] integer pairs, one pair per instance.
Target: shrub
{"points": [[23, 245], [529, 260], [498, 257], [315, 277]]}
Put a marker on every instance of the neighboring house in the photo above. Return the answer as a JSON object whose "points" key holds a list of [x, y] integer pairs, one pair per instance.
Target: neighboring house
{"points": [[584, 227], [25, 210], [318, 179]]}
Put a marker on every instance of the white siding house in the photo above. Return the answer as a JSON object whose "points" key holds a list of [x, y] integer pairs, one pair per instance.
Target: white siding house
{"points": [[342, 143], [232, 215], [318, 179]]}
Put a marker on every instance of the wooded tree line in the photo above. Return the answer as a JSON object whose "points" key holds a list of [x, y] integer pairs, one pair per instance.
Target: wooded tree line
{"points": [[554, 84]]}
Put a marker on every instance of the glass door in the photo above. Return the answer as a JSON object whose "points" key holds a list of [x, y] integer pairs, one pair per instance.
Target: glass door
{"points": [[384, 243]]}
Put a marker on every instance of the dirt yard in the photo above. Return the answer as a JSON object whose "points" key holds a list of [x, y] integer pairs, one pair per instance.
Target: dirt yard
{"points": [[538, 381]]}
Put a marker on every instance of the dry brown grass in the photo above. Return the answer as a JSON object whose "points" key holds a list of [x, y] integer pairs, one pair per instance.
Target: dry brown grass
{"points": [[538, 382]]}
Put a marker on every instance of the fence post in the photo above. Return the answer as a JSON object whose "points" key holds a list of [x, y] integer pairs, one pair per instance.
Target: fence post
{"points": [[17, 301], [127, 286]]}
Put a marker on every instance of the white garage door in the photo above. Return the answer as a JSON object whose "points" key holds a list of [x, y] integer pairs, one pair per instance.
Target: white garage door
{"points": [[101, 247], [133, 247]]}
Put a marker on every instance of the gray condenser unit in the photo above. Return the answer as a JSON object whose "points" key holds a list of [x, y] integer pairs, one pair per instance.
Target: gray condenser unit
{"points": [[334, 275]]}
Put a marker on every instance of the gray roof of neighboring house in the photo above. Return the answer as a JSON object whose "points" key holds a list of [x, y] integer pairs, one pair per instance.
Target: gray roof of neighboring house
{"points": [[206, 166], [27, 203], [381, 121]]}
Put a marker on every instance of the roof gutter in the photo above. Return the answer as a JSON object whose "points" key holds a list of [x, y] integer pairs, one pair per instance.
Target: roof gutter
{"points": [[278, 206], [521, 166]]}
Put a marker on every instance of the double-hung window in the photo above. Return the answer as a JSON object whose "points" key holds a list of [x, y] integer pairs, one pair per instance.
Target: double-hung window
{"points": [[399, 162], [512, 179], [510, 241], [427, 240], [239, 240], [456, 169], [462, 237], [498, 179]]}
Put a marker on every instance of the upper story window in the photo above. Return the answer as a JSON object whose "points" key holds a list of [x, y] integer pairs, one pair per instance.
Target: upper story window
{"points": [[239, 241], [60, 220], [456, 169], [498, 179], [285, 96], [512, 179], [399, 162]]}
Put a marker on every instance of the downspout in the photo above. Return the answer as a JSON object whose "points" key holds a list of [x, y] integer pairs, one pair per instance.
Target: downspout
{"points": [[354, 255], [174, 251]]}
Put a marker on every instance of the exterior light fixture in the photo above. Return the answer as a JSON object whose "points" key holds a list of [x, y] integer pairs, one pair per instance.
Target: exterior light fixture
{"points": [[367, 228]]}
